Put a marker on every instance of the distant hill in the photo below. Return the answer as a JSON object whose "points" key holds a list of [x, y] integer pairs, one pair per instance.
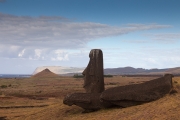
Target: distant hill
{"points": [[174, 70], [45, 73], [70, 71], [124, 70], [59, 69], [140, 71]]}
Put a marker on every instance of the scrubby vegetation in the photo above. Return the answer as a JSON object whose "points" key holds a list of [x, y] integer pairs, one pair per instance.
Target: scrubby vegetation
{"points": [[81, 76], [78, 76], [108, 75], [4, 86]]}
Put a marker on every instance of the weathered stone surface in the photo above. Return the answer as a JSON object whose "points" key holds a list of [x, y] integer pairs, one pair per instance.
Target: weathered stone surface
{"points": [[93, 84], [88, 101], [125, 96], [93, 74], [122, 96]]}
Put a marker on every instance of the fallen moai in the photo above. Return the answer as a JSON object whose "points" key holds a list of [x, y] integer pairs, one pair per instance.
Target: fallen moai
{"points": [[123, 96], [130, 95], [88, 101]]}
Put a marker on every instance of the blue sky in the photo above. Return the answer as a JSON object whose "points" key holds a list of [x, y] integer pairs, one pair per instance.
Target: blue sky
{"points": [[137, 33]]}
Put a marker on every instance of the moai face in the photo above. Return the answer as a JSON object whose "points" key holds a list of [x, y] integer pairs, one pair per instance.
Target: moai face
{"points": [[94, 73]]}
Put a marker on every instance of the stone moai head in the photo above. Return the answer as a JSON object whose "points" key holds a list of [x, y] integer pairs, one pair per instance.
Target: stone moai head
{"points": [[94, 73]]}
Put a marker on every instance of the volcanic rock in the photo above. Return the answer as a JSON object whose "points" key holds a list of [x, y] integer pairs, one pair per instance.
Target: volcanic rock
{"points": [[93, 84], [93, 74], [125, 96], [87, 101]]}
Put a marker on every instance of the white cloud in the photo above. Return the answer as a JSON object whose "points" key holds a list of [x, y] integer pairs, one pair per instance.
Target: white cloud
{"points": [[9, 51], [151, 60], [38, 37], [60, 55], [47, 40], [136, 41], [21, 53], [38, 53], [31, 53], [165, 37], [58, 32]]}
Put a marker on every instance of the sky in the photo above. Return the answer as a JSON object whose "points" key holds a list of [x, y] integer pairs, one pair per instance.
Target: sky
{"points": [[136, 33]]}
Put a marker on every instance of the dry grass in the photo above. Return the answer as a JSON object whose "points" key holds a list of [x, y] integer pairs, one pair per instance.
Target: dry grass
{"points": [[41, 99]]}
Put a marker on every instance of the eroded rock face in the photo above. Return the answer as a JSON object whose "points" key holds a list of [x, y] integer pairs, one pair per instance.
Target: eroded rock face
{"points": [[93, 74], [125, 96]]}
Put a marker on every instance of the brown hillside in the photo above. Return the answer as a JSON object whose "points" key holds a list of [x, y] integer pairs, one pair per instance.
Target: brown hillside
{"points": [[45, 73], [173, 70]]}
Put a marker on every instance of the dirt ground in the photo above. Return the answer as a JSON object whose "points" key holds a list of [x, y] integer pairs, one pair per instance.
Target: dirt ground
{"points": [[41, 99]]}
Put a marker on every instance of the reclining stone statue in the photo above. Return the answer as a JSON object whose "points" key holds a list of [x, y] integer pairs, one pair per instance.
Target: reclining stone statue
{"points": [[123, 96], [134, 94]]}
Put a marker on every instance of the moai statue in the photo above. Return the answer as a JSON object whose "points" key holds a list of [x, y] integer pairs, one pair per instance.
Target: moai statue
{"points": [[93, 84], [94, 72], [96, 97], [135, 94]]}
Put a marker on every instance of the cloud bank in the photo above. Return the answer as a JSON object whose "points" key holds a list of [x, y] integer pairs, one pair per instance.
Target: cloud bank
{"points": [[165, 37], [47, 37], [46, 31]]}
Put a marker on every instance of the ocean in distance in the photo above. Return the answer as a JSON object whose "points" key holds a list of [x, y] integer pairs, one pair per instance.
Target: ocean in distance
{"points": [[14, 76]]}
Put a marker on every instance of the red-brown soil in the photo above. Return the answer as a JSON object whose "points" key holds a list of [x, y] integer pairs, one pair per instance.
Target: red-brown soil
{"points": [[41, 99]]}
